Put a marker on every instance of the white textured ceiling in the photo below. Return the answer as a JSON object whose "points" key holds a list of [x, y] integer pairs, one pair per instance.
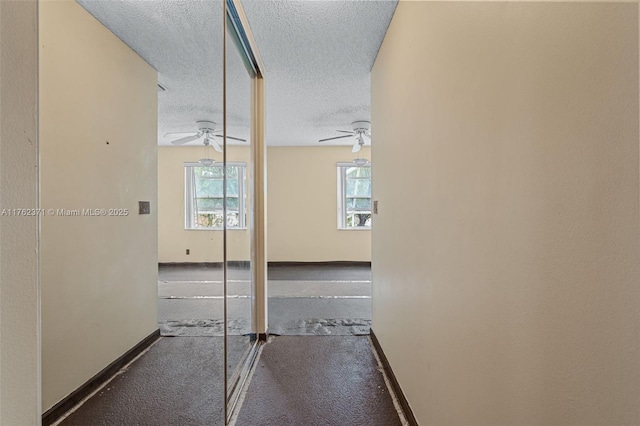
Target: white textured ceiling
{"points": [[317, 57]]}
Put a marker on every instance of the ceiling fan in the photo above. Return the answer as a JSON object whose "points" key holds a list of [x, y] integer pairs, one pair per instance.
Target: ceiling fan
{"points": [[207, 131], [361, 132]]}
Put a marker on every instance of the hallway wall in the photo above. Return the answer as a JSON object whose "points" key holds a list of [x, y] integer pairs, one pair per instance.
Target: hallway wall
{"points": [[98, 136], [302, 205], [19, 299], [511, 130]]}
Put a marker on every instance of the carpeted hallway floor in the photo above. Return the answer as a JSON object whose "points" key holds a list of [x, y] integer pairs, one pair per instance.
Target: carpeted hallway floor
{"points": [[298, 380], [318, 381], [322, 371], [179, 381]]}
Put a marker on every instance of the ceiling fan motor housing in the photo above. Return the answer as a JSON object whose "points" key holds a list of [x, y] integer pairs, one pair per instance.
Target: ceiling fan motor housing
{"points": [[361, 126], [206, 126]]}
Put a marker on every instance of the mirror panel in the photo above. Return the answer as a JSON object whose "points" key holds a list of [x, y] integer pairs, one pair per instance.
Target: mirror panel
{"points": [[240, 335]]}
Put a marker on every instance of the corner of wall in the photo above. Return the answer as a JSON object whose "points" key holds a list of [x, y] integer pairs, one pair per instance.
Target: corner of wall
{"points": [[19, 287]]}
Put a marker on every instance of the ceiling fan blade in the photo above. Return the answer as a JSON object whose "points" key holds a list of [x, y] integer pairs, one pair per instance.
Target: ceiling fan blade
{"points": [[187, 139], [166, 135], [216, 145], [346, 131], [231, 137], [337, 137], [356, 147]]}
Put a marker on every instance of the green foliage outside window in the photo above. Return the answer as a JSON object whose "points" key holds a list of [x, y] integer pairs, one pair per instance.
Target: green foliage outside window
{"points": [[208, 196], [357, 201]]}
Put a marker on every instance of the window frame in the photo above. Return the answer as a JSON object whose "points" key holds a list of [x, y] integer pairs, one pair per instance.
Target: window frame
{"points": [[189, 199], [342, 197]]}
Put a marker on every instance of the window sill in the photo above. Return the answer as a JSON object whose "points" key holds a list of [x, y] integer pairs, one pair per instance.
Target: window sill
{"points": [[355, 229]]}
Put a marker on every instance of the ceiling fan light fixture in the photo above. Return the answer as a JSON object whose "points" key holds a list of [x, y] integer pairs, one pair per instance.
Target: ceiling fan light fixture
{"points": [[361, 133], [207, 162], [361, 162], [206, 131]]}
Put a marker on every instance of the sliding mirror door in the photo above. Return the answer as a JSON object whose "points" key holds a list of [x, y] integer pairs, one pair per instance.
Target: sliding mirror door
{"points": [[240, 190], [191, 216]]}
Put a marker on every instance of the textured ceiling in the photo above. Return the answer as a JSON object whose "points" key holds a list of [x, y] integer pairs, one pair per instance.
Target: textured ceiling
{"points": [[317, 57]]}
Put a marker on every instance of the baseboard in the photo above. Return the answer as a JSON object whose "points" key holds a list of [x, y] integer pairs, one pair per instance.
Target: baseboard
{"points": [[58, 410], [244, 264], [343, 263], [408, 413], [196, 264]]}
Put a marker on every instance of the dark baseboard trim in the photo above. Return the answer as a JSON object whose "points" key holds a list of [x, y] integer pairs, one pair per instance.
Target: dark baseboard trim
{"points": [[263, 337], [245, 264], [197, 264], [58, 410], [408, 413], [344, 263], [216, 265]]}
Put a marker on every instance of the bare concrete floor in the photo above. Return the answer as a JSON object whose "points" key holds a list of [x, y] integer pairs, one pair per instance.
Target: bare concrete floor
{"points": [[320, 272], [303, 300], [278, 272]]}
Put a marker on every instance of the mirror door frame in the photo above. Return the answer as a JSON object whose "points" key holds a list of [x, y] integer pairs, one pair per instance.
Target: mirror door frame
{"points": [[234, 15]]}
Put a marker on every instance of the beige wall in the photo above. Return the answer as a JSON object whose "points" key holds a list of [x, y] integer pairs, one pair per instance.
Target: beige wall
{"points": [[302, 205], [302, 208], [98, 274], [204, 246], [19, 307], [512, 128]]}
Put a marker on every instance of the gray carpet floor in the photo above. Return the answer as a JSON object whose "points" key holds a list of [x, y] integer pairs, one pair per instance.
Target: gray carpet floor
{"points": [[179, 381], [330, 380], [318, 381], [314, 380]]}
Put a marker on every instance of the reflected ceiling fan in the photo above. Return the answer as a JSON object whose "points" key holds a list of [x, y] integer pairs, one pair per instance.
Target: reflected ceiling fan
{"points": [[206, 131], [361, 133]]}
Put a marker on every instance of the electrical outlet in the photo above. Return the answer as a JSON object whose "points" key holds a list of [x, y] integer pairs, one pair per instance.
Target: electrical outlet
{"points": [[188, 251]]}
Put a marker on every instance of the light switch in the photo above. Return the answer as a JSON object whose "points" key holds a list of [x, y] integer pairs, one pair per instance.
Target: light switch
{"points": [[144, 207], [375, 207]]}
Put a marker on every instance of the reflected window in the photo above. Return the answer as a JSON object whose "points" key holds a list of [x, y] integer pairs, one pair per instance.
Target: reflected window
{"points": [[204, 196], [354, 196]]}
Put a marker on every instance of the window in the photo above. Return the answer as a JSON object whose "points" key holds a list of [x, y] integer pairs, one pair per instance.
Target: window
{"points": [[204, 198], [354, 196]]}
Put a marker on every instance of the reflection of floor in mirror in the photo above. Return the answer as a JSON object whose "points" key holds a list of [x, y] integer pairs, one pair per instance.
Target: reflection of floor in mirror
{"points": [[303, 300], [179, 381]]}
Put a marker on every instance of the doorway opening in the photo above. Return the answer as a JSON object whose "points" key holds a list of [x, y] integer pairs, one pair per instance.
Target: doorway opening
{"points": [[320, 255]]}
